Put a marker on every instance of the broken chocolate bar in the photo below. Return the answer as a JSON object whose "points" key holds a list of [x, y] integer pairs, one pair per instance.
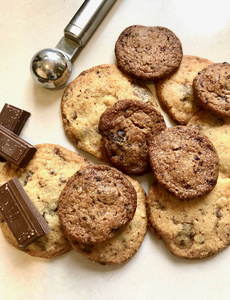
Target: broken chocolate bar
{"points": [[22, 217], [15, 149], [13, 118]]}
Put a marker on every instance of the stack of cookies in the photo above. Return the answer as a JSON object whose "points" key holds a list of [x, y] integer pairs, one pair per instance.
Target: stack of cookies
{"points": [[103, 214], [189, 161], [109, 112], [96, 210]]}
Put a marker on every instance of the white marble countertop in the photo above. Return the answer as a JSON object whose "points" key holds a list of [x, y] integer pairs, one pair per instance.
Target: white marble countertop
{"points": [[27, 26]]}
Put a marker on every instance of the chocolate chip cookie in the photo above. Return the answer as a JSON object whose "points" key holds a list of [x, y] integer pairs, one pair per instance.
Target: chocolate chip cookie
{"points": [[175, 92], [127, 240], [95, 203], [148, 53], [88, 96], [184, 161], [212, 88], [43, 180], [191, 229], [126, 128]]}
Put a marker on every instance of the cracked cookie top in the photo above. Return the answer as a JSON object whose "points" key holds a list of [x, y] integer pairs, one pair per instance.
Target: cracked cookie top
{"points": [[126, 128], [148, 53], [184, 161], [95, 203]]}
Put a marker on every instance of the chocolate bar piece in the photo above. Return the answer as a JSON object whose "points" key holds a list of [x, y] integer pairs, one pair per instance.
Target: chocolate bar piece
{"points": [[15, 149], [22, 217], [13, 118]]}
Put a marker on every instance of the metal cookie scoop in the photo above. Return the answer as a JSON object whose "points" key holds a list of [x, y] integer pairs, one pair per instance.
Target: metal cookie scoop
{"points": [[51, 68]]}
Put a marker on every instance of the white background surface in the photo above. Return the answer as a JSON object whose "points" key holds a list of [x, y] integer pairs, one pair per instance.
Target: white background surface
{"points": [[27, 26]]}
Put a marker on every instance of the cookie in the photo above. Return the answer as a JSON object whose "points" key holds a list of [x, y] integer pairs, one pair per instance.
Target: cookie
{"points": [[148, 53], [217, 129], [95, 203], [43, 180], [212, 89], [175, 93], [126, 128], [87, 97], [192, 229], [184, 161], [127, 240]]}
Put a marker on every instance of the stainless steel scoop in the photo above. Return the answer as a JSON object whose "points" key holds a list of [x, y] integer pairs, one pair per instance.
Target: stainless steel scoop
{"points": [[51, 68]]}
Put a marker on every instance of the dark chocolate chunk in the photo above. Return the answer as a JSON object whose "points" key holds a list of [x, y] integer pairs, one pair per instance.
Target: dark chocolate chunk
{"points": [[22, 217], [15, 149], [13, 118]]}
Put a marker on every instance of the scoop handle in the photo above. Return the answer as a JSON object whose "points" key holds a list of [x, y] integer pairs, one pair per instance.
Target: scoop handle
{"points": [[86, 20]]}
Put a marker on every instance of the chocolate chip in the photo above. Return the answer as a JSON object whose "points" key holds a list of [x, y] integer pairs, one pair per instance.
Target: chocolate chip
{"points": [[184, 238], [218, 213], [97, 178], [159, 205], [211, 181]]}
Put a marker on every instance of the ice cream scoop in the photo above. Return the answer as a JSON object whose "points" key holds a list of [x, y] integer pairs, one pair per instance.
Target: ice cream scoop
{"points": [[51, 68]]}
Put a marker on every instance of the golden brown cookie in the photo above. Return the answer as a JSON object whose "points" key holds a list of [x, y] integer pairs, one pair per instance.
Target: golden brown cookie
{"points": [[96, 201], [191, 229], [217, 129], [175, 92], [126, 128], [43, 180], [127, 240], [87, 97], [212, 88], [184, 161], [148, 52]]}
